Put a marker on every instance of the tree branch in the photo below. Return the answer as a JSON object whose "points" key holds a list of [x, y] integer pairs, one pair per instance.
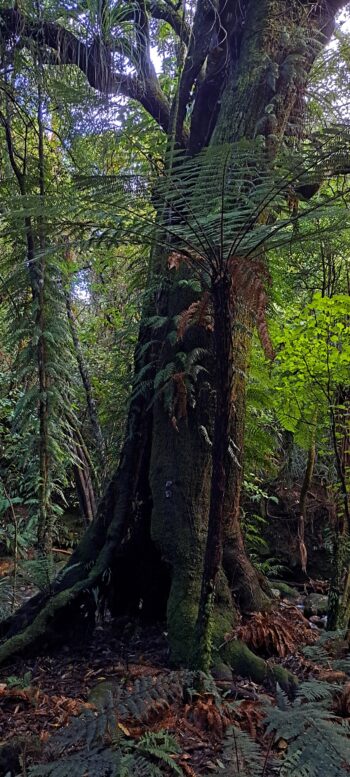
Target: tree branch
{"points": [[207, 102], [141, 23], [11, 152], [206, 24], [164, 11], [93, 60]]}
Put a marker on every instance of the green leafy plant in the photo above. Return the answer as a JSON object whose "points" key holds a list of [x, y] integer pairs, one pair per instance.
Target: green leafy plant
{"points": [[16, 535], [14, 681], [39, 572]]}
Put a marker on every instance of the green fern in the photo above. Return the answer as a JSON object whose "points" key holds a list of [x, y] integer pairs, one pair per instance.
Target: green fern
{"points": [[241, 756], [100, 750], [146, 697], [318, 741], [321, 652]]}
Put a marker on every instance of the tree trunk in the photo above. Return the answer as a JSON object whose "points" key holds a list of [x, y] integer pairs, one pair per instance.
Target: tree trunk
{"points": [[85, 378], [250, 590], [149, 537], [83, 484]]}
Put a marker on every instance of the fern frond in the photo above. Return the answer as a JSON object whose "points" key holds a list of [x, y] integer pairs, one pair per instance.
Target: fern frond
{"points": [[241, 754]]}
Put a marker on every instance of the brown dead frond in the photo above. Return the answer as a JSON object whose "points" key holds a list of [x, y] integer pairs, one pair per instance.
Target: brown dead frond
{"points": [[272, 633], [264, 335], [179, 407], [174, 260], [249, 716], [206, 716], [249, 280], [331, 675], [197, 313], [187, 770]]}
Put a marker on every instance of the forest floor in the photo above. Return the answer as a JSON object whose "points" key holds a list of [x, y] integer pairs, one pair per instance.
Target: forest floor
{"points": [[38, 696]]}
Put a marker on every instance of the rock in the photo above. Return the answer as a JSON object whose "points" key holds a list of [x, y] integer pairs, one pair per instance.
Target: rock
{"points": [[276, 592], [286, 591], [318, 620], [315, 604]]}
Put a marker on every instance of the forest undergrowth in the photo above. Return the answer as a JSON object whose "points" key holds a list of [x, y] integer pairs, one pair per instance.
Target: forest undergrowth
{"points": [[116, 707]]}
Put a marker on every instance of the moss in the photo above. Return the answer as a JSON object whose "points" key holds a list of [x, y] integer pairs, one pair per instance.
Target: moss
{"points": [[41, 626], [99, 693], [287, 680], [224, 621], [182, 612], [286, 590], [221, 672], [243, 661]]}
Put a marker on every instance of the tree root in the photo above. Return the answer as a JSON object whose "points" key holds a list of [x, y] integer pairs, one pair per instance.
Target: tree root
{"points": [[40, 626], [247, 664]]}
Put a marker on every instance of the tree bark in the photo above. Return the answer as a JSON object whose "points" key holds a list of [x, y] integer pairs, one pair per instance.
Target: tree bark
{"points": [[250, 590]]}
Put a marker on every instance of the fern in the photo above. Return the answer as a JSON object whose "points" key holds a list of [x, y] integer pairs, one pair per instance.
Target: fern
{"points": [[242, 756], [100, 750], [318, 741], [39, 572], [326, 651]]}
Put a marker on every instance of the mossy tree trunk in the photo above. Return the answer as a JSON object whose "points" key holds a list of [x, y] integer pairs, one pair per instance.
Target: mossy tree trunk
{"points": [[250, 590], [151, 528]]}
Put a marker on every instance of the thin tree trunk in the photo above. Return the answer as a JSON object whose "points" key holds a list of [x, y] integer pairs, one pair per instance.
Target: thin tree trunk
{"points": [[36, 272], [85, 377], [339, 592], [309, 472], [38, 275], [84, 485]]}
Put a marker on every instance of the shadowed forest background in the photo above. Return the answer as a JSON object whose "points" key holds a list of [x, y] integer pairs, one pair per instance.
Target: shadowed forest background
{"points": [[174, 388]]}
